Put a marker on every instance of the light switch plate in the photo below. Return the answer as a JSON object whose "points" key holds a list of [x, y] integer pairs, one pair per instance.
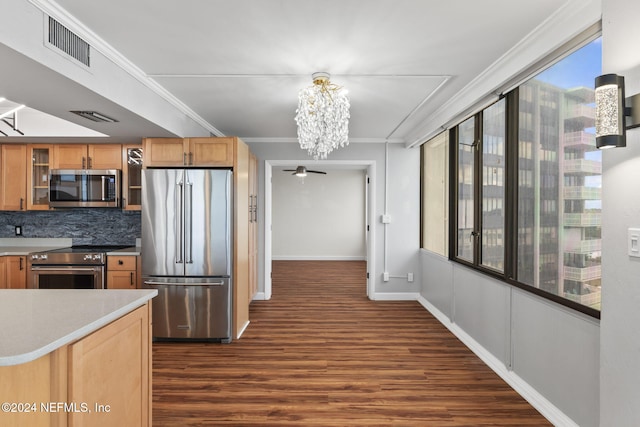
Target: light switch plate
{"points": [[633, 242]]}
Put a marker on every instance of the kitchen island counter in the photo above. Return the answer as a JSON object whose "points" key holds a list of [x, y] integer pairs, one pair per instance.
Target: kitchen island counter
{"points": [[35, 322], [75, 357]]}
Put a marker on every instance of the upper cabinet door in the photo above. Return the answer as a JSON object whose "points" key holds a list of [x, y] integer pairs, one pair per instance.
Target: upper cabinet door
{"points": [[69, 156], [13, 177], [210, 152], [132, 177], [165, 151], [105, 156], [38, 163]]}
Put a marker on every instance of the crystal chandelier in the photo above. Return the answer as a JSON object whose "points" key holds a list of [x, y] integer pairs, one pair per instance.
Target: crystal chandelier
{"points": [[322, 117]]}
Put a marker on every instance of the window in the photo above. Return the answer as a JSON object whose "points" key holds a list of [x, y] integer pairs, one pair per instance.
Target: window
{"points": [[527, 193], [435, 194], [480, 203], [559, 195]]}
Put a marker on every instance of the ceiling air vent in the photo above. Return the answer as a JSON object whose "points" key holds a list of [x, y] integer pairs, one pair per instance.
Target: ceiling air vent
{"points": [[94, 116], [68, 42]]}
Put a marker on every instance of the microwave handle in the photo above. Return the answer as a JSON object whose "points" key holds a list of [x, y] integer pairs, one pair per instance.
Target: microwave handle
{"points": [[104, 188]]}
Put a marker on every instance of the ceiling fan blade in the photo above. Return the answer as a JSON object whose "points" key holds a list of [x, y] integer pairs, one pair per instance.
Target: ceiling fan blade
{"points": [[288, 170], [321, 172]]}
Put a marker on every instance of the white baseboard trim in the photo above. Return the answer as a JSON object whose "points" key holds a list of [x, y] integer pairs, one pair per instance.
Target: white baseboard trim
{"points": [[260, 296], [538, 401], [395, 296], [318, 258]]}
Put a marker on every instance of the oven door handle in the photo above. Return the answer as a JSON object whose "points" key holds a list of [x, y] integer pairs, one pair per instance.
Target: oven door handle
{"points": [[65, 268]]}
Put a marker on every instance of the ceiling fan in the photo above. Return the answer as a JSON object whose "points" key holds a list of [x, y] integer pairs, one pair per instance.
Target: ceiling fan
{"points": [[302, 171]]}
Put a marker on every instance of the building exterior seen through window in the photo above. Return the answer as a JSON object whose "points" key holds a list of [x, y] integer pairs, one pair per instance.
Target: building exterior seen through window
{"points": [[559, 187]]}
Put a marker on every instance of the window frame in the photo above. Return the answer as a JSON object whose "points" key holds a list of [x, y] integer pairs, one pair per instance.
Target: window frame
{"points": [[511, 184]]}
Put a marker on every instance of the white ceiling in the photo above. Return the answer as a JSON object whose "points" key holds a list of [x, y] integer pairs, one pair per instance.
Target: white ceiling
{"points": [[238, 65]]}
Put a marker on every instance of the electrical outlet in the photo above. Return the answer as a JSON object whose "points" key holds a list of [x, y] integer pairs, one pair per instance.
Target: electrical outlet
{"points": [[385, 276], [18, 230], [409, 277]]}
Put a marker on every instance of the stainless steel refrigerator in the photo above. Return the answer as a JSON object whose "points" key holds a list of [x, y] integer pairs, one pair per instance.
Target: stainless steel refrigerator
{"points": [[187, 251]]}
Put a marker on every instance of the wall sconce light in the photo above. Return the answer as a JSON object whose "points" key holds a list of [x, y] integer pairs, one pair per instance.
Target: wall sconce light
{"points": [[613, 111]]}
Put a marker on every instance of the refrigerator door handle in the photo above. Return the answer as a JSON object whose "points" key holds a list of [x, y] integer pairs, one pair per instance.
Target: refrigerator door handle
{"points": [[209, 283], [188, 239], [179, 225]]}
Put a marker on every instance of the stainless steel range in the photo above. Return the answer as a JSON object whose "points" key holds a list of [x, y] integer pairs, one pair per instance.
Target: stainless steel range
{"points": [[76, 267]]}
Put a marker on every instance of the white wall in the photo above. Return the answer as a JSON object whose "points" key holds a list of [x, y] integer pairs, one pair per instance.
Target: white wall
{"points": [[319, 216], [403, 200], [620, 331], [546, 352]]}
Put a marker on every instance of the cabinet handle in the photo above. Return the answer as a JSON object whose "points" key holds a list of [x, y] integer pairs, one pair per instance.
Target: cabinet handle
{"points": [[21, 203], [84, 163], [120, 262], [184, 158], [21, 267], [90, 162], [255, 208], [191, 158], [131, 274], [124, 202]]}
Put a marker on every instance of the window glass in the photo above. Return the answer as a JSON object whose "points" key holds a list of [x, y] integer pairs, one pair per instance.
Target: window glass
{"points": [[435, 194], [559, 180], [493, 161], [466, 181]]}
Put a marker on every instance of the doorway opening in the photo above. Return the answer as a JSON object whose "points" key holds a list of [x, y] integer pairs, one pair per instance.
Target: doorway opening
{"points": [[365, 169]]}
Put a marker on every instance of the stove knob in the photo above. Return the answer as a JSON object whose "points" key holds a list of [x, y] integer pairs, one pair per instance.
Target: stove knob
{"points": [[97, 257], [34, 256], [44, 256], [87, 257]]}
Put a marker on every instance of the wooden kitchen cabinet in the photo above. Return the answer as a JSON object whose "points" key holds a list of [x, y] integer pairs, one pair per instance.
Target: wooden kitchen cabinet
{"points": [[13, 177], [122, 272], [39, 162], [132, 161], [92, 156], [13, 272], [16, 272], [211, 151], [165, 151], [216, 152]]}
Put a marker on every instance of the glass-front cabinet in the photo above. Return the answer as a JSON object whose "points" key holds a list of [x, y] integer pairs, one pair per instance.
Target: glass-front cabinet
{"points": [[132, 177], [39, 158]]}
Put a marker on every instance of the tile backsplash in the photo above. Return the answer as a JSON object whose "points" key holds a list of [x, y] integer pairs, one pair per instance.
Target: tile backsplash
{"points": [[90, 226]]}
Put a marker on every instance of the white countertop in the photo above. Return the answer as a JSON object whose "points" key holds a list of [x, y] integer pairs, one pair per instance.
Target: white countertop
{"points": [[24, 246], [133, 250], [35, 322]]}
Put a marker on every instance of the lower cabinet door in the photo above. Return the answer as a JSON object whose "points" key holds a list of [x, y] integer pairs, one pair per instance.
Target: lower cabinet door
{"points": [[110, 373]]}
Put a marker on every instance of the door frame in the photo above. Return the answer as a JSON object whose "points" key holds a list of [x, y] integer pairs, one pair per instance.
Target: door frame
{"points": [[369, 167]]}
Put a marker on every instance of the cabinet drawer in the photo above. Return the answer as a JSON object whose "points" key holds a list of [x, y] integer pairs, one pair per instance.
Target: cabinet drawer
{"points": [[126, 262]]}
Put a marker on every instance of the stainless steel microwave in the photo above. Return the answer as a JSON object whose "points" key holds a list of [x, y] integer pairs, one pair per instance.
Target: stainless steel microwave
{"points": [[84, 188]]}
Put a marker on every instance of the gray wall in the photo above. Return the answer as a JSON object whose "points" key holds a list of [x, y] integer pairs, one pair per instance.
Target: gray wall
{"points": [[548, 353], [84, 226], [620, 333], [319, 216]]}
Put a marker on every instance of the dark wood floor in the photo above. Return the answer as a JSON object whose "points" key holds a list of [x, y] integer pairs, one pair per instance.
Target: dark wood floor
{"points": [[320, 353]]}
